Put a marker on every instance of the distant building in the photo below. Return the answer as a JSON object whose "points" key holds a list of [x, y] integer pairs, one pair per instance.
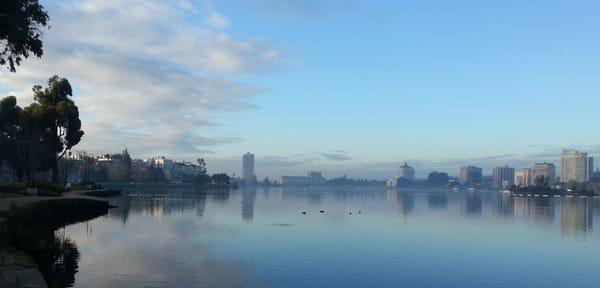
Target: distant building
{"points": [[404, 172], [111, 167], [523, 178], [182, 172], [313, 178], [470, 175], [177, 172], [503, 177], [575, 166], [248, 168], [161, 162], [590, 168], [546, 170]]}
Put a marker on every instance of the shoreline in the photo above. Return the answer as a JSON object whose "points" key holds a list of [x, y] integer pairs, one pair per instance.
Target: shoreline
{"points": [[27, 227]]}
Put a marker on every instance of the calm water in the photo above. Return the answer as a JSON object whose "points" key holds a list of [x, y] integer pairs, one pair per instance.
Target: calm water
{"points": [[259, 238]]}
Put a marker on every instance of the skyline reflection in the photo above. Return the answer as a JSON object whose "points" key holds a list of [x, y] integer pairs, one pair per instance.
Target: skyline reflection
{"points": [[576, 214], [178, 237]]}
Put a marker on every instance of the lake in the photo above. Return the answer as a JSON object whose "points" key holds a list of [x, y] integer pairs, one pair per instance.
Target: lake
{"points": [[365, 237]]}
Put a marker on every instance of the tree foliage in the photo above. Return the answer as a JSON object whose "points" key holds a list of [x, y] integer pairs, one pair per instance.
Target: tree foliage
{"points": [[36, 137], [221, 179], [57, 117], [437, 178], [9, 126], [21, 23]]}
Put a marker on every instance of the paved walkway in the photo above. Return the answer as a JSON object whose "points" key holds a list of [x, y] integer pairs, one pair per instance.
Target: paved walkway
{"points": [[6, 203]]}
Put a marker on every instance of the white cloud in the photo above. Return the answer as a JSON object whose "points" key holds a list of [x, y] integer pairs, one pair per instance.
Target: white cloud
{"points": [[147, 74], [217, 20]]}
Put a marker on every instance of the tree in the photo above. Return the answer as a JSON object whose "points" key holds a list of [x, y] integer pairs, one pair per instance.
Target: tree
{"points": [[9, 125], [58, 120], [201, 179], [437, 178], [36, 137], [11, 134], [221, 179], [542, 182], [154, 174], [21, 23]]}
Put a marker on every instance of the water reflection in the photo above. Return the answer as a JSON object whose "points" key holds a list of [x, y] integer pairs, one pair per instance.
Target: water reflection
{"points": [[60, 264], [505, 206], [437, 201], [248, 198], [471, 204], [224, 238], [404, 201], [576, 216]]}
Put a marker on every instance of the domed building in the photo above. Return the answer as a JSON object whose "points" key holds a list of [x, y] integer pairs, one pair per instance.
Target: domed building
{"points": [[405, 172]]}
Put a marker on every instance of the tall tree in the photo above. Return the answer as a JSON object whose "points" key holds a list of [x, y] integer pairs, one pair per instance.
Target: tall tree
{"points": [[10, 132], [21, 23], [60, 121], [32, 153]]}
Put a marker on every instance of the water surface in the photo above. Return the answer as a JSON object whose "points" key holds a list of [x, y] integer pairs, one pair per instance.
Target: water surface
{"points": [[366, 237]]}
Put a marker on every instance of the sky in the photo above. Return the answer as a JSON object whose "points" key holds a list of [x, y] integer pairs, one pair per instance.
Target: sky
{"points": [[344, 87]]}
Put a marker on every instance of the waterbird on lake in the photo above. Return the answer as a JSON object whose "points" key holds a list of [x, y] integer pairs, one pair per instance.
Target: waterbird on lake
{"points": [[322, 211], [303, 212]]}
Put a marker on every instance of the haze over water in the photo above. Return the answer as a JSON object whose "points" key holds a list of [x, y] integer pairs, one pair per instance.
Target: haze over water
{"points": [[161, 237]]}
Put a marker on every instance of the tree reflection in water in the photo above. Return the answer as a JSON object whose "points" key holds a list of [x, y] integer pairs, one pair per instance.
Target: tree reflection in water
{"points": [[59, 262]]}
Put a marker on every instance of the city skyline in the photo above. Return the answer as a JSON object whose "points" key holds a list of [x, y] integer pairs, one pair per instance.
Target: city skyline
{"points": [[351, 97], [247, 168]]}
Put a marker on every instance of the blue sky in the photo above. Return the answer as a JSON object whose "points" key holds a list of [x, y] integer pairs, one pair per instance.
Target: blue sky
{"points": [[347, 87]]}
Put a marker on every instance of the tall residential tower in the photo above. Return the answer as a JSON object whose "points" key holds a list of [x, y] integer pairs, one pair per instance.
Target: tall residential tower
{"points": [[503, 177], [575, 166], [248, 168]]}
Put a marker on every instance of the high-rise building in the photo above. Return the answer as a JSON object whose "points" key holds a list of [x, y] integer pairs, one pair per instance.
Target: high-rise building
{"points": [[590, 168], [575, 166], [503, 177], [248, 168], [523, 178], [470, 175], [546, 170]]}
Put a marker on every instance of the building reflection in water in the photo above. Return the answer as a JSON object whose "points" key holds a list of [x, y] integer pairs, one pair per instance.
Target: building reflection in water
{"points": [[471, 204], [576, 216], [436, 201], [505, 206], [542, 210], [315, 198], [162, 205], [248, 199], [403, 200]]}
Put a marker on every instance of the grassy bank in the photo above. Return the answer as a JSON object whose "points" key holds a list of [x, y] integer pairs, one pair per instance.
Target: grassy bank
{"points": [[17, 189]]}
